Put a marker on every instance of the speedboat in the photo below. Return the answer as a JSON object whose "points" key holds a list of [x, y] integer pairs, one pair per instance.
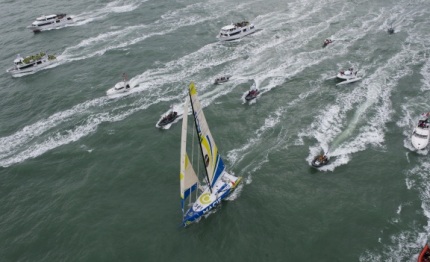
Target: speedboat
{"points": [[320, 160], [327, 42], [236, 31], [424, 254], [222, 79], [252, 94], [167, 119], [420, 135], [121, 87], [30, 64], [348, 76], [47, 22]]}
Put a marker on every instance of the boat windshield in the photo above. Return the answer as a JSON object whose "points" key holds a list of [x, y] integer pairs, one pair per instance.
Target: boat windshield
{"points": [[420, 136]]}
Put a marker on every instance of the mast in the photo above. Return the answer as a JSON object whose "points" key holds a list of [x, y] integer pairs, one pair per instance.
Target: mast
{"points": [[200, 144]]}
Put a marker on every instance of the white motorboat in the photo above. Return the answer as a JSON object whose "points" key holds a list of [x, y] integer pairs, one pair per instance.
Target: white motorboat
{"points": [[31, 64], [222, 79], [121, 87], [236, 31], [48, 22], [421, 134], [348, 76]]}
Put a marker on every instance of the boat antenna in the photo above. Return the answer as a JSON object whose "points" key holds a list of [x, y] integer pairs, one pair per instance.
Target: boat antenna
{"points": [[200, 144]]}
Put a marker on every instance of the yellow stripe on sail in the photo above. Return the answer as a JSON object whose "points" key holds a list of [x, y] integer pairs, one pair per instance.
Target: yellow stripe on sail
{"points": [[192, 88]]}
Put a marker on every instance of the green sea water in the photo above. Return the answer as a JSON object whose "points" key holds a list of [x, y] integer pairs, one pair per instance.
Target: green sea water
{"points": [[87, 177]]}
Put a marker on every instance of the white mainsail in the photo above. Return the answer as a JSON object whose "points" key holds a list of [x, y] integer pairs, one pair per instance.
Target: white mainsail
{"points": [[213, 162], [187, 176]]}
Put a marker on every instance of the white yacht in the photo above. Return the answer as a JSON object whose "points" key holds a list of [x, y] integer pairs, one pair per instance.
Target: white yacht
{"points": [[236, 31], [31, 64], [121, 87], [47, 22], [348, 76], [421, 134]]}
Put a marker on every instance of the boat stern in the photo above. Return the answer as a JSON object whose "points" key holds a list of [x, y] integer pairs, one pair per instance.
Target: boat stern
{"points": [[34, 28], [420, 138], [209, 200]]}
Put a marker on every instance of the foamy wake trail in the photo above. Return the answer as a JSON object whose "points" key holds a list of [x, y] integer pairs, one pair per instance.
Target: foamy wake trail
{"points": [[98, 45], [245, 62], [69, 126], [236, 156], [406, 244], [425, 72], [11, 143], [294, 64], [373, 106], [120, 6]]}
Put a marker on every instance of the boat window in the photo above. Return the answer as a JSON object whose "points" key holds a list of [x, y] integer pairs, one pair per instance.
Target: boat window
{"points": [[252, 27], [235, 33], [26, 66], [420, 136], [44, 24], [244, 30]]}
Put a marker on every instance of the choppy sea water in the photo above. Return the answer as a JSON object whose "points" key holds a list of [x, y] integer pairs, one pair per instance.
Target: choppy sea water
{"points": [[84, 177]]}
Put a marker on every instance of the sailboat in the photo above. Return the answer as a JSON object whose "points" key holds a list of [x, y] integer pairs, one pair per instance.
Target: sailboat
{"points": [[218, 182]]}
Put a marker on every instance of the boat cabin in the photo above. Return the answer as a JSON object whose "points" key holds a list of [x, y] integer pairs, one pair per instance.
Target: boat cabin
{"points": [[49, 19], [46, 18], [234, 27]]}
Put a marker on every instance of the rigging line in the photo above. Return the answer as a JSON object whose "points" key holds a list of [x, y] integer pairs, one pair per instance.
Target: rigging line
{"points": [[200, 144], [192, 157], [198, 167]]}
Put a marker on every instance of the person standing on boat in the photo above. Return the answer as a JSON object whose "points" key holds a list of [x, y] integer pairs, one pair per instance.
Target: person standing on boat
{"points": [[125, 79]]}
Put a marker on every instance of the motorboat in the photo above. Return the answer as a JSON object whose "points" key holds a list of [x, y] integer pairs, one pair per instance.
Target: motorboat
{"points": [[222, 79], [421, 134], [348, 76], [327, 42], [121, 87], [424, 254], [252, 94], [31, 64], [236, 31], [167, 119], [47, 22], [320, 160]]}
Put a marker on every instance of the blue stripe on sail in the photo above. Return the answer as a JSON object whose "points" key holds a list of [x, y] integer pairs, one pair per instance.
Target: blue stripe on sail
{"points": [[210, 144], [218, 169], [187, 194]]}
